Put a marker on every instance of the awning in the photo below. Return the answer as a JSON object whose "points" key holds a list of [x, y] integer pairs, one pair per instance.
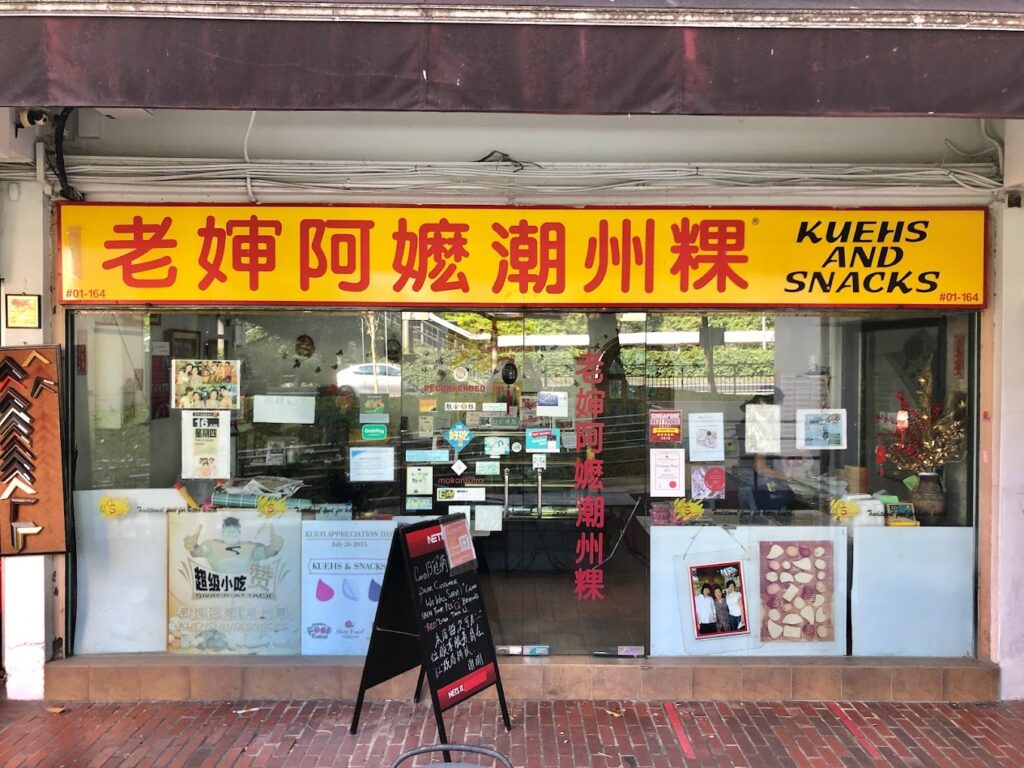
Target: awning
{"points": [[206, 63]]}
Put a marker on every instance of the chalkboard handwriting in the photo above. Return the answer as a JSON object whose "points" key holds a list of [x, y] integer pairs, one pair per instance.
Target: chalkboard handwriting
{"points": [[435, 566], [453, 644]]}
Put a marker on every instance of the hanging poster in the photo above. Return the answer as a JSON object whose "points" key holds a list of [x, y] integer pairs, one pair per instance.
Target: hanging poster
{"points": [[821, 429], [553, 404], [668, 472], [233, 582], [206, 444], [528, 415], [665, 426], [284, 409], [707, 436], [419, 481], [212, 384], [487, 517], [371, 465], [496, 446], [342, 574], [488, 468], [426, 426], [707, 482], [763, 428], [373, 409], [543, 440], [428, 405]]}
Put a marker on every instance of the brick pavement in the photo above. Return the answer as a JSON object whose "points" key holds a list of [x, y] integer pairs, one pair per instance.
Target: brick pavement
{"points": [[545, 734]]}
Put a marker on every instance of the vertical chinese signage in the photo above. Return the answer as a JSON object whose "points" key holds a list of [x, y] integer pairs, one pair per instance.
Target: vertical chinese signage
{"points": [[589, 478]]}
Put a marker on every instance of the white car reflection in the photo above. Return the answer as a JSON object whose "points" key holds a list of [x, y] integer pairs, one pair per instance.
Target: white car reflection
{"points": [[370, 379]]}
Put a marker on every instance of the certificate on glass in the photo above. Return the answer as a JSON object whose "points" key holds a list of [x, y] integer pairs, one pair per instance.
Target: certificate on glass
{"points": [[668, 472]]}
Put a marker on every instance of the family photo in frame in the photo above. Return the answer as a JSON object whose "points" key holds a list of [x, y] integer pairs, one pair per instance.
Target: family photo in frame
{"points": [[719, 607]]}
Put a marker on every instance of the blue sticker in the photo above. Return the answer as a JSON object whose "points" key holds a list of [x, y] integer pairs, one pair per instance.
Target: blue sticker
{"points": [[459, 436], [429, 456]]}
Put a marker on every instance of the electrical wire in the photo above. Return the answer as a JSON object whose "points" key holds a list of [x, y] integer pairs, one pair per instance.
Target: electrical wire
{"points": [[60, 123], [996, 144], [167, 177], [245, 154]]}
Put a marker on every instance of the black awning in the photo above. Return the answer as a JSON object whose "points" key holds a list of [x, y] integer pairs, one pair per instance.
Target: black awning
{"points": [[281, 65]]}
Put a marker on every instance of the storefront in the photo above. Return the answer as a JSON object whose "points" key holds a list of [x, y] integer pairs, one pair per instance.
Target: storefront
{"points": [[677, 432]]}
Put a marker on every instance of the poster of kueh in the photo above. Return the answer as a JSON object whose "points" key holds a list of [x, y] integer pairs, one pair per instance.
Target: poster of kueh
{"points": [[233, 582], [449, 256], [31, 463], [342, 574]]}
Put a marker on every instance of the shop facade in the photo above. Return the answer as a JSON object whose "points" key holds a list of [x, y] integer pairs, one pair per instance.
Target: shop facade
{"points": [[630, 404], [676, 432], [765, 418]]}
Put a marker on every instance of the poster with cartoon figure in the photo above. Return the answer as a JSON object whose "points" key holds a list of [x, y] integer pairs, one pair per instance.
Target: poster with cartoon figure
{"points": [[233, 582]]}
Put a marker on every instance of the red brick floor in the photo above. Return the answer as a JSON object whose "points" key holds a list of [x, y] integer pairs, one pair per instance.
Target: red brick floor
{"points": [[548, 734]]}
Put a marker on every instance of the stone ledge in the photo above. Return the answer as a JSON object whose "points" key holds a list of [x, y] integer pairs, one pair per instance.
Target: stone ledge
{"points": [[173, 677]]}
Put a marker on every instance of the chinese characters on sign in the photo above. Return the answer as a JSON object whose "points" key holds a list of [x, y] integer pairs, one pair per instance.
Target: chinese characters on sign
{"points": [[479, 256], [589, 478]]}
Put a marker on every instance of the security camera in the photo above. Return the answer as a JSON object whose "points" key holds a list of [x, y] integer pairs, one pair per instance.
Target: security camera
{"points": [[29, 118]]}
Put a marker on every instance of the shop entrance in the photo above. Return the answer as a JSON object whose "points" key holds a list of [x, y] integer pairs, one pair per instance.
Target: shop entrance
{"points": [[550, 462]]}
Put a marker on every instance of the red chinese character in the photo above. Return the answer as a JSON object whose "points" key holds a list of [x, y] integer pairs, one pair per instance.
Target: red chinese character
{"points": [[587, 474], [715, 242], [348, 251], [589, 403], [211, 253], [623, 252], [590, 547], [142, 239], [590, 511], [590, 434], [252, 251], [433, 252], [590, 367], [589, 584], [533, 257]]}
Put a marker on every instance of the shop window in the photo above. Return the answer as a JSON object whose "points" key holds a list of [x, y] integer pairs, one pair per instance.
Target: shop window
{"points": [[612, 465]]}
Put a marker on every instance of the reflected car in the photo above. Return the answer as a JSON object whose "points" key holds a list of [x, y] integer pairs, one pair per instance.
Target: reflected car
{"points": [[370, 378]]}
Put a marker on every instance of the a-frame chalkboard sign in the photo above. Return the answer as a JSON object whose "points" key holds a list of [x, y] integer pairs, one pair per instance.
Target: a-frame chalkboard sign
{"points": [[431, 617]]}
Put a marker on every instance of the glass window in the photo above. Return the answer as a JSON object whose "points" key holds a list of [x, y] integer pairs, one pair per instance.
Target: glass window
{"points": [[797, 464]]}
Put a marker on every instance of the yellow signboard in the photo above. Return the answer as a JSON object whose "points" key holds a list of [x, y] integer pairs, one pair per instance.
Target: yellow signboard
{"points": [[548, 257]]}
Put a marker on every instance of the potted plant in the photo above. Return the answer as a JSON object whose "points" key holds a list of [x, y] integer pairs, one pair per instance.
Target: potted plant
{"points": [[925, 435]]}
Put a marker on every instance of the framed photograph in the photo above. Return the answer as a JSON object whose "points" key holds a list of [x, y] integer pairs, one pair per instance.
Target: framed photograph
{"points": [[184, 344], [23, 310], [719, 605], [821, 429]]}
